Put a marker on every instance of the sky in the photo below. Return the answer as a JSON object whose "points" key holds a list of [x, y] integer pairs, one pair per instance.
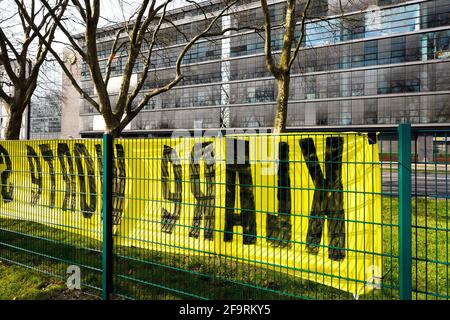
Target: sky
{"points": [[116, 11], [111, 11]]}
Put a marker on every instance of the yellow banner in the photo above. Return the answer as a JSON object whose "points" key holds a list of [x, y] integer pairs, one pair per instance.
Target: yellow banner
{"points": [[305, 204]]}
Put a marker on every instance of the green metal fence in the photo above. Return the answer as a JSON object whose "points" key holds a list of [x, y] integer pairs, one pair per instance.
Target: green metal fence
{"points": [[430, 218], [27, 237], [413, 221]]}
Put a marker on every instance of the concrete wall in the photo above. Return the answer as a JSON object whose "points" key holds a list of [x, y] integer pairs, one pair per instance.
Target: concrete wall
{"points": [[70, 108]]}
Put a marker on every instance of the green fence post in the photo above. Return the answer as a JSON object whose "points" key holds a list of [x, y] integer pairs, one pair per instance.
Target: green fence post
{"points": [[404, 210], [107, 245]]}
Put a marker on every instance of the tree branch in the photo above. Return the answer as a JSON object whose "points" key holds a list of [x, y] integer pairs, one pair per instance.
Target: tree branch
{"points": [[144, 73], [115, 48], [178, 75], [63, 29], [302, 33], [66, 70], [136, 40], [268, 41]]}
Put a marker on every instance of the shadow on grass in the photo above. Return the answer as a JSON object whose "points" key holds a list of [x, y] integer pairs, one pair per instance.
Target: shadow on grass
{"points": [[147, 274]]}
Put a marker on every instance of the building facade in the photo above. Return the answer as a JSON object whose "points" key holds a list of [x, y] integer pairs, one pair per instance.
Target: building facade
{"points": [[46, 103], [380, 63], [42, 117]]}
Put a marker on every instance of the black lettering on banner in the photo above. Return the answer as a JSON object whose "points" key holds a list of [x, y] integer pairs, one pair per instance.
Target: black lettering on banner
{"points": [[205, 205], [69, 178], [118, 190], [36, 174], [169, 219], [81, 153], [47, 155], [7, 194], [278, 226], [328, 197], [99, 153], [119, 176], [247, 218]]}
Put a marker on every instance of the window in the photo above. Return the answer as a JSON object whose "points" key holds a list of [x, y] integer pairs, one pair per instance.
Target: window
{"points": [[370, 111], [383, 83], [333, 85], [345, 113], [354, 27], [310, 88], [398, 50], [322, 32], [322, 114], [435, 13], [371, 53], [358, 83], [238, 50], [264, 94], [439, 45], [318, 8], [357, 55], [399, 80], [400, 19], [442, 76]]}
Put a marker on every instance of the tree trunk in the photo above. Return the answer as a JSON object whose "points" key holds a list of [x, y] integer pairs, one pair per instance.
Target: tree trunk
{"points": [[113, 129], [112, 126], [12, 131], [115, 132], [282, 105]]}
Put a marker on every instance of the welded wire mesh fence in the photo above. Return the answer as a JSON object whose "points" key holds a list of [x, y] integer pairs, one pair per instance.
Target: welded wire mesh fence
{"points": [[301, 215], [48, 208], [430, 218]]}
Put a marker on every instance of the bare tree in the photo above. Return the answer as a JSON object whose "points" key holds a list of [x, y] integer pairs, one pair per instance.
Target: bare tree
{"points": [[25, 36], [282, 70], [140, 39], [293, 30]]}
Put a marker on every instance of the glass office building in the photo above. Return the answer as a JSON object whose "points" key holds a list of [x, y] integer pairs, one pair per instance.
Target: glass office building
{"points": [[378, 63]]}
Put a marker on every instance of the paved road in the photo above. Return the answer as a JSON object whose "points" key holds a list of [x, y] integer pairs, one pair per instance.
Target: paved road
{"points": [[433, 184]]}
